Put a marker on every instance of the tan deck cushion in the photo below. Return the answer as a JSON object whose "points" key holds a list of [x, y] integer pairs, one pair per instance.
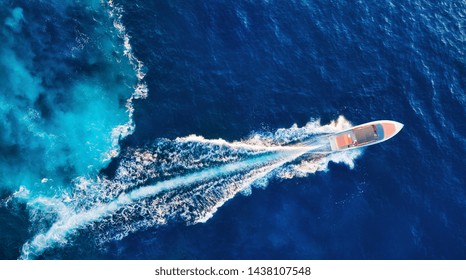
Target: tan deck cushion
{"points": [[344, 140]]}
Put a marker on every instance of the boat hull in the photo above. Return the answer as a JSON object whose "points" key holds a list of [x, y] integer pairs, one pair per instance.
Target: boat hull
{"points": [[364, 135]]}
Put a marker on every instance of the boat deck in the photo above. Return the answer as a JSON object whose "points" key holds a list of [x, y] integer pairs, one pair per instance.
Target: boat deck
{"points": [[344, 140], [358, 136], [366, 134]]}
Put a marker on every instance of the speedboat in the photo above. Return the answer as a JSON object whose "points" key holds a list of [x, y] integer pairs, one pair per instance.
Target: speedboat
{"points": [[364, 135]]}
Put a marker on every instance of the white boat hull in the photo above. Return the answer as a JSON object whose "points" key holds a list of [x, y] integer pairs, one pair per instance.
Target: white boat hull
{"points": [[364, 135]]}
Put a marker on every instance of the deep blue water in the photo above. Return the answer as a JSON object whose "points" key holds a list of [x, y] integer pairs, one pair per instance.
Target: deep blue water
{"points": [[239, 71]]}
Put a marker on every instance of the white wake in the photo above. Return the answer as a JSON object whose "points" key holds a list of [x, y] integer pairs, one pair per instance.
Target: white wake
{"points": [[182, 180]]}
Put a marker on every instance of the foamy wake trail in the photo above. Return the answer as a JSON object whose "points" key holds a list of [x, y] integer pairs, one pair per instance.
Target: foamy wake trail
{"points": [[140, 91], [182, 180]]}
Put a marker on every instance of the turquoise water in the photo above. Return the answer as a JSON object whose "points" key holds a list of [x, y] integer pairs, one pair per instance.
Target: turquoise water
{"points": [[65, 93]]}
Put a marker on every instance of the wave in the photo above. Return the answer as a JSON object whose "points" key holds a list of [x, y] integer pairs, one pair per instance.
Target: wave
{"points": [[141, 91], [183, 180]]}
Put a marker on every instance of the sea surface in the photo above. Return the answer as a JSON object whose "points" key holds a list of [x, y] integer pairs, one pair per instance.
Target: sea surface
{"points": [[198, 129]]}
